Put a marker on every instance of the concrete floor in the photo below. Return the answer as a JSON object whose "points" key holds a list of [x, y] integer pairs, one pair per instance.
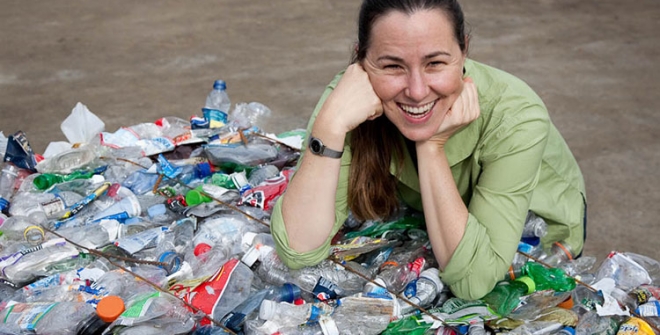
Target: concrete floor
{"points": [[594, 62]]}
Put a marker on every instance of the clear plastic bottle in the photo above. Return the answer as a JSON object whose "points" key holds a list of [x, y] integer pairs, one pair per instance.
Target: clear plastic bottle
{"points": [[108, 309], [284, 314], [535, 226], [218, 99], [250, 307], [560, 253], [398, 277], [47, 317], [358, 314], [7, 181], [428, 286], [28, 264], [258, 175], [224, 291], [153, 313]]}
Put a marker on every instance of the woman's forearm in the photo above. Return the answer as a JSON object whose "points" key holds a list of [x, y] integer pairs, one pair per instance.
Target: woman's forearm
{"points": [[308, 207], [445, 213]]}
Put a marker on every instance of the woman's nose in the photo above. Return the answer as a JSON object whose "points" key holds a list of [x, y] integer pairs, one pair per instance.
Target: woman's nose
{"points": [[417, 88]]}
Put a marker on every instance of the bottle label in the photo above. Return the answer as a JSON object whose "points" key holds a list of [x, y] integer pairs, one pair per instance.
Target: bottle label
{"points": [[325, 290], [26, 315], [138, 309], [208, 294]]}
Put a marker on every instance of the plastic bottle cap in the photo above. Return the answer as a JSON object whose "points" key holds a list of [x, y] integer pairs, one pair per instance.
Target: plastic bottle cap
{"points": [[219, 85], [267, 309], [529, 282], [567, 304], [201, 249], [110, 308], [251, 256], [156, 210], [97, 178], [569, 330], [204, 170]]}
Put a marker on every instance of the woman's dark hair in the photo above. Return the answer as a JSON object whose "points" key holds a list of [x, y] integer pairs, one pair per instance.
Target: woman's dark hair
{"points": [[372, 189]]}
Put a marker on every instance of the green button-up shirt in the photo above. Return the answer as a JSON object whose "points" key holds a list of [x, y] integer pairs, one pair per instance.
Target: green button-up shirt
{"points": [[510, 160]]}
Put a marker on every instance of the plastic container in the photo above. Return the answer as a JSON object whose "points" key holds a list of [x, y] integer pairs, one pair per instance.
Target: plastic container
{"points": [[250, 307], [224, 291], [64, 317], [534, 226], [7, 189], [108, 310], [285, 314], [505, 297], [428, 286], [218, 99]]}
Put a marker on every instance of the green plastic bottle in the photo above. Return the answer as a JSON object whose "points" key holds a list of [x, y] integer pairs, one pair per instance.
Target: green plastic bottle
{"points": [[505, 297], [549, 278], [46, 180]]}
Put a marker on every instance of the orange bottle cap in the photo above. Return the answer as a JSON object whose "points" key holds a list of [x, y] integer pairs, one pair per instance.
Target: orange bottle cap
{"points": [[567, 304], [110, 308]]}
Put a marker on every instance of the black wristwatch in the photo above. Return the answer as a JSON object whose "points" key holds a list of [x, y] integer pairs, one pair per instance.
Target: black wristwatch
{"points": [[318, 148]]}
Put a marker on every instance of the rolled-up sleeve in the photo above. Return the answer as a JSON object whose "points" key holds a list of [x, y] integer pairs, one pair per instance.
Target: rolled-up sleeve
{"points": [[510, 164]]}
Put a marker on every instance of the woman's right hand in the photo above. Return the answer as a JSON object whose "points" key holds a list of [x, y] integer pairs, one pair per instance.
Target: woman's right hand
{"points": [[352, 102]]}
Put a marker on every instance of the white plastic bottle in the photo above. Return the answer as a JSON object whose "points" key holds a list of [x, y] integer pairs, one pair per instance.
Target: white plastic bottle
{"points": [[218, 99]]}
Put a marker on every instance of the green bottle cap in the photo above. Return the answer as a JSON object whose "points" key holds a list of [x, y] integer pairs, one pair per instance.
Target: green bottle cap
{"points": [[46, 180], [529, 282], [196, 197]]}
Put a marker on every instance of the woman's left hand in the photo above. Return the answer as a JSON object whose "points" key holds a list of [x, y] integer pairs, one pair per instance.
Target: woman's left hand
{"points": [[464, 110]]}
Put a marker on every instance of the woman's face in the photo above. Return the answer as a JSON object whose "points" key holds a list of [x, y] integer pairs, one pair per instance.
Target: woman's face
{"points": [[415, 66]]}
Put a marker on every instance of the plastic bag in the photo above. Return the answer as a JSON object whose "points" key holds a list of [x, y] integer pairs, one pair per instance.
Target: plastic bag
{"points": [[82, 125], [624, 270]]}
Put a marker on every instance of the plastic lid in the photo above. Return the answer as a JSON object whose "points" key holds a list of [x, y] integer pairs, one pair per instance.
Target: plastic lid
{"points": [[568, 330], [529, 282], [219, 85], [4, 204], [268, 309], [195, 197], [172, 261], [568, 303], [203, 170], [433, 275], [201, 249], [110, 308], [290, 292], [155, 210], [250, 256], [97, 178]]}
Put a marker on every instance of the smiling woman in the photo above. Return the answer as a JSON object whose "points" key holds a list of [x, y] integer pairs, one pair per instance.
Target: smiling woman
{"points": [[414, 120]]}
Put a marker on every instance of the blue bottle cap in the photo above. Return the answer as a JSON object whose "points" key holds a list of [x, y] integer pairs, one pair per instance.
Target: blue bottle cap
{"points": [[4, 204], [219, 85], [203, 170]]}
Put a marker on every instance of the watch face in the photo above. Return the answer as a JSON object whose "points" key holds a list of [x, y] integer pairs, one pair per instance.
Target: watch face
{"points": [[315, 145]]}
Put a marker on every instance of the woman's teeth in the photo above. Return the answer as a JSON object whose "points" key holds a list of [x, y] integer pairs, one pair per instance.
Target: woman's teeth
{"points": [[417, 111]]}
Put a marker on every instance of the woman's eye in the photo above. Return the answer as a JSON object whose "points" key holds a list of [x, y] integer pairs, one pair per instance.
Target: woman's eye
{"points": [[436, 64], [392, 66]]}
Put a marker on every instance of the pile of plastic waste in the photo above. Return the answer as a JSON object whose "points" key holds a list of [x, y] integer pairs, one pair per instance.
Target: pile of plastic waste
{"points": [[163, 228]]}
